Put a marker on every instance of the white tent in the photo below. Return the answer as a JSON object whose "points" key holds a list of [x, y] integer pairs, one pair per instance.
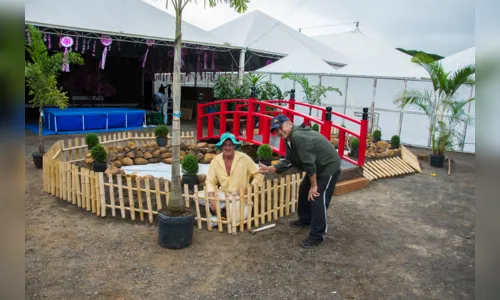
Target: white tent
{"points": [[302, 61], [132, 18], [459, 60], [260, 32], [384, 65], [355, 44]]}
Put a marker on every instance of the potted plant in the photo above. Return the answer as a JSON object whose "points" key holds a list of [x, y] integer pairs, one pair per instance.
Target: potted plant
{"points": [[91, 140], [161, 133], [40, 74], [315, 127], [190, 170], [395, 142], [354, 146], [265, 154], [441, 100], [100, 157], [377, 136]]}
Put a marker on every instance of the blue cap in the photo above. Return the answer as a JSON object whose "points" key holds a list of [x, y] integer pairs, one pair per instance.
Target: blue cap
{"points": [[277, 121]]}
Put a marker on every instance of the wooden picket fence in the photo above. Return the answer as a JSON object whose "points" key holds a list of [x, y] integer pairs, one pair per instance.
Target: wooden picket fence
{"points": [[140, 198]]}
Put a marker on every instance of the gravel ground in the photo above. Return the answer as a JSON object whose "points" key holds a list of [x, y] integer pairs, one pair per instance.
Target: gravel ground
{"points": [[406, 238]]}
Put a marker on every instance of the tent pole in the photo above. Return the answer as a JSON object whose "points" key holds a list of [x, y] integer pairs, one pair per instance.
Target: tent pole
{"points": [[241, 67]]}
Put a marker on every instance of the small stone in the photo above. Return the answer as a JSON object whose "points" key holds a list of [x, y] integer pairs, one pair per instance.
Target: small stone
{"points": [[200, 156], [156, 153], [203, 150], [154, 160], [166, 155], [127, 161], [119, 148], [202, 178], [139, 153], [148, 155], [131, 155], [202, 145], [167, 161], [163, 150], [140, 161]]}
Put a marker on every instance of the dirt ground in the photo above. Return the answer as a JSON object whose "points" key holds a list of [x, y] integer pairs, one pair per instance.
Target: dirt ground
{"points": [[406, 238]]}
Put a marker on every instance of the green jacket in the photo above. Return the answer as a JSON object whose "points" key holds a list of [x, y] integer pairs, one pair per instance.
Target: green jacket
{"points": [[311, 152]]}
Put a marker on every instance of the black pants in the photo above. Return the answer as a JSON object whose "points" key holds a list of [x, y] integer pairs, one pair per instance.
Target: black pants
{"points": [[314, 212]]}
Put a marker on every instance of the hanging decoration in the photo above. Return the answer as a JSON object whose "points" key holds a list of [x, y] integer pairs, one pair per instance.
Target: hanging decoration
{"points": [[49, 44], [105, 41], [28, 36], [83, 45], [268, 62], [149, 43], [76, 44], [205, 55], [66, 42], [93, 49], [170, 53]]}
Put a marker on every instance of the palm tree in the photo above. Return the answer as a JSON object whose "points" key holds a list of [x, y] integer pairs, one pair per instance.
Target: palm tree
{"points": [[176, 202], [440, 104]]}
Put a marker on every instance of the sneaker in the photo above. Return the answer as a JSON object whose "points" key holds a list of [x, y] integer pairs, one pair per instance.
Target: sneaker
{"points": [[298, 224], [309, 243]]}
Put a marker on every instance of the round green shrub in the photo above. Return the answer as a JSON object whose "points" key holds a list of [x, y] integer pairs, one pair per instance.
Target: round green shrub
{"points": [[354, 144], [99, 154], [190, 165], [91, 140], [265, 152], [377, 135], [162, 131], [395, 141], [315, 127]]}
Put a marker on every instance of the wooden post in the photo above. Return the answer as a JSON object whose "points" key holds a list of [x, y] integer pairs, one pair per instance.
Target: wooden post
{"points": [[242, 209], [97, 194], [262, 203], [249, 208], [256, 205], [139, 197], [148, 200], [88, 193], [131, 198], [294, 194], [275, 198], [287, 196], [207, 212], [120, 194], [269, 201], [282, 196], [157, 193], [78, 185], [112, 195], [102, 194], [197, 206], [217, 209]]}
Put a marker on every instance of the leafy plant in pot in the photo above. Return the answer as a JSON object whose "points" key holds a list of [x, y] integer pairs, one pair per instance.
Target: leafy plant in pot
{"points": [[446, 113], [354, 147], [100, 157], [190, 169], [265, 154], [315, 127], [377, 136], [91, 140], [395, 142], [161, 133], [41, 72]]}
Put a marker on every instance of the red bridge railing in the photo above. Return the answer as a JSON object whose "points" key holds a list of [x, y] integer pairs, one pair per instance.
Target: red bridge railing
{"points": [[263, 111]]}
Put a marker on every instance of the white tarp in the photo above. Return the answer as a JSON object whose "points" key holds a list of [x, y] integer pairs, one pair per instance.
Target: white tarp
{"points": [[302, 61], [133, 18], [355, 44], [459, 60], [260, 32]]}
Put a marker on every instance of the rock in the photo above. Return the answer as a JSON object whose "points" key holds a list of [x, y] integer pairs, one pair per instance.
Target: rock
{"points": [[203, 150], [200, 156], [193, 152], [202, 145], [148, 155], [111, 155], [166, 155], [115, 151], [167, 161], [152, 145], [208, 158], [163, 150], [139, 153], [192, 147], [132, 146], [211, 145], [119, 148], [183, 147], [151, 149], [127, 161], [156, 153], [211, 150], [154, 160], [140, 161], [183, 153], [117, 164], [88, 155], [131, 155], [89, 160], [383, 145], [126, 149], [120, 156], [202, 178]]}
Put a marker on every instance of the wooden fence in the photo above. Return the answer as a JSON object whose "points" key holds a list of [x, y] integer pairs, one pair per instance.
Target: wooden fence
{"points": [[140, 198]]}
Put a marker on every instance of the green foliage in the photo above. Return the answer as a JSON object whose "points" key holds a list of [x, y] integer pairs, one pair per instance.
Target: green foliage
{"points": [[354, 144], [440, 101], [315, 127], [92, 139], [377, 135], [269, 91], [162, 131], [190, 165], [99, 154], [315, 93], [264, 152], [415, 52], [395, 142]]}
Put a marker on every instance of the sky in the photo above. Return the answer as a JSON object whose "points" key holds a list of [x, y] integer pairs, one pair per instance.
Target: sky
{"points": [[442, 27]]}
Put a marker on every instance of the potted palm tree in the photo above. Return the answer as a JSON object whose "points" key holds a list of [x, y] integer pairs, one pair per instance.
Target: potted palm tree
{"points": [[190, 169], [41, 79], [91, 140], [265, 154], [100, 157], [441, 105], [161, 133]]}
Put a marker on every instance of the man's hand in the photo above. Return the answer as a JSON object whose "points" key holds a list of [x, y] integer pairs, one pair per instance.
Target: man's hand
{"points": [[266, 169], [313, 192]]}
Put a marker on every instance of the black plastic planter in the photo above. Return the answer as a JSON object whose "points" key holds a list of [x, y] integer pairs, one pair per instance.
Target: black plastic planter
{"points": [[99, 167], [354, 153], [191, 181], [161, 141], [175, 232], [437, 161], [38, 160]]}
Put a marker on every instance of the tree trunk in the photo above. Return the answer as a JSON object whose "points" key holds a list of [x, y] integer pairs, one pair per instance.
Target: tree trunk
{"points": [[176, 202], [41, 147]]}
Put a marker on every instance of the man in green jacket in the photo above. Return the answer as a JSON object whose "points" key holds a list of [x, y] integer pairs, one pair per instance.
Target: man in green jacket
{"points": [[312, 153]]}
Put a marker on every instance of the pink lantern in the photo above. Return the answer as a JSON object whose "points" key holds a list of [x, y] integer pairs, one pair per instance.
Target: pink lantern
{"points": [[66, 42], [149, 43], [105, 41]]}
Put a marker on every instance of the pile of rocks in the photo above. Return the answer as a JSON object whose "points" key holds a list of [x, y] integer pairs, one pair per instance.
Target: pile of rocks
{"points": [[381, 149]]}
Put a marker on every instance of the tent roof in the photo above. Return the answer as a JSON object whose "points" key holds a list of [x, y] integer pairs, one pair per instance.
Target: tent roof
{"points": [[458, 60], [133, 18], [355, 44], [394, 65], [302, 61], [260, 32]]}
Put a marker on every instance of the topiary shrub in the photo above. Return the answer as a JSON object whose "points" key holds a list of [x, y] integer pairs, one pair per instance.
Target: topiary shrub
{"points": [[91, 140], [265, 152], [190, 165], [354, 144], [99, 154], [395, 141], [315, 127], [162, 131], [377, 135]]}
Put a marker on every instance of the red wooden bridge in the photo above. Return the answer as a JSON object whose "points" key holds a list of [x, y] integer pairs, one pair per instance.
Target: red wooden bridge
{"points": [[252, 111]]}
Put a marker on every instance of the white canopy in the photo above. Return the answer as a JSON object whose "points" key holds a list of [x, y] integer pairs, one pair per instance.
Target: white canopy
{"points": [[459, 60], [355, 44], [391, 65], [302, 61], [133, 18], [260, 32]]}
